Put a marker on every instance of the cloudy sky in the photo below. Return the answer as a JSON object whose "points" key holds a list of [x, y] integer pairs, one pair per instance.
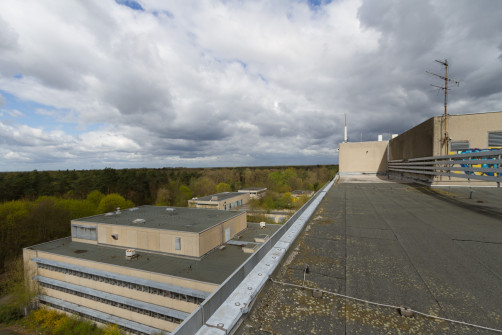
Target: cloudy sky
{"points": [[103, 83]]}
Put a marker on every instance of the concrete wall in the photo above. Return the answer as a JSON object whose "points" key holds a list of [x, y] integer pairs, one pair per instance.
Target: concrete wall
{"points": [[471, 127], [162, 240], [427, 139], [416, 142], [215, 236], [363, 157]]}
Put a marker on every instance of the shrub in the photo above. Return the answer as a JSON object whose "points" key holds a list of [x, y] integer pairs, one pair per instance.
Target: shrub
{"points": [[10, 313]]}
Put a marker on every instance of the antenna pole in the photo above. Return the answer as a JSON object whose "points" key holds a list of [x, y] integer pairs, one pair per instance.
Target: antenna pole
{"points": [[345, 138], [445, 89]]}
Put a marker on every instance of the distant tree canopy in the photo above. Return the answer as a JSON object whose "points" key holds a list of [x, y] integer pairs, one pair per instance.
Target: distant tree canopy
{"points": [[36, 207], [142, 186]]}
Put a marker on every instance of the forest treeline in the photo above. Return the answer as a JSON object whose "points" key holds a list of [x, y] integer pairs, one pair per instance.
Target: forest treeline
{"points": [[37, 206]]}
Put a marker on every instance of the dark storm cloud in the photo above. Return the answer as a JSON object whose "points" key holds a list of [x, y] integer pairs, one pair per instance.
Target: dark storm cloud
{"points": [[236, 83]]}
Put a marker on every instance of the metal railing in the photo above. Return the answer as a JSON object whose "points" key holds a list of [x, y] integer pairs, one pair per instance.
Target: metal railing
{"points": [[482, 165], [200, 315]]}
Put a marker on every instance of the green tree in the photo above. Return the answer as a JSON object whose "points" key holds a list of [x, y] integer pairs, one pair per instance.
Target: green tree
{"points": [[203, 186], [95, 197], [223, 187], [111, 202], [163, 197]]}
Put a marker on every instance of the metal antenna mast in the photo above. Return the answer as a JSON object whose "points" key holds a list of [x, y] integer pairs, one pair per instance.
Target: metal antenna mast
{"points": [[445, 89]]}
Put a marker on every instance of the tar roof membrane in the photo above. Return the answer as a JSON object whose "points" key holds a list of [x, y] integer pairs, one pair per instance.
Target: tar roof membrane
{"points": [[213, 268], [431, 250], [170, 218]]}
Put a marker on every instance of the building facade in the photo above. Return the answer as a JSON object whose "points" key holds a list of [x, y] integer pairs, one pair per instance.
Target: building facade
{"points": [[255, 192], [222, 201], [145, 269]]}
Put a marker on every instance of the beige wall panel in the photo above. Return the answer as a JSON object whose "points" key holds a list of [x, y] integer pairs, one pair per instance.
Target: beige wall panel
{"points": [[105, 308], [363, 157], [122, 291], [417, 142], [166, 243], [103, 234], [132, 238], [188, 240], [198, 285], [474, 128], [143, 240], [153, 241], [210, 239], [236, 225]]}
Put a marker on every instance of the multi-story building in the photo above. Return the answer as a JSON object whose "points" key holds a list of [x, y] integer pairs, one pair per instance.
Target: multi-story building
{"points": [[145, 269], [224, 201], [255, 192]]}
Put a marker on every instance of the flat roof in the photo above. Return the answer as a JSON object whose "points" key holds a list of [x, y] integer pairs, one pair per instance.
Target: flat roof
{"points": [[213, 268], [432, 250], [221, 196], [185, 219], [252, 189]]}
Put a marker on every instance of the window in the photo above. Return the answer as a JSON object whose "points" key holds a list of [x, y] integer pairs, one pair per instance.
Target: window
{"points": [[177, 243], [83, 232], [459, 145], [494, 139]]}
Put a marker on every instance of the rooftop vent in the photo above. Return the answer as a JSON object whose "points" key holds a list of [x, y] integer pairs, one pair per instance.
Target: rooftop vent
{"points": [[171, 211], [130, 253], [250, 248], [263, 224], [110, 214], [137, 221], [118, 211], [214, 198], [133, 209]]}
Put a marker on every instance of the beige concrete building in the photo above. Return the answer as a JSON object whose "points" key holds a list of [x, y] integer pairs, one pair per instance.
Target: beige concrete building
{"points": [[255, 192], [363, 157], [145, 269], [468, 131], [463, 132], [223, 201]]}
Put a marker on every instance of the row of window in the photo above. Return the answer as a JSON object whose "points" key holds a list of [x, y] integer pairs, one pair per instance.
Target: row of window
{"points": [[93, 318], [114, 303], [121, 283]]}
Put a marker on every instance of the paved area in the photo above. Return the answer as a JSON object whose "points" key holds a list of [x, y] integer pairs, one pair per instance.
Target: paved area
{"points": [[432, 250]]}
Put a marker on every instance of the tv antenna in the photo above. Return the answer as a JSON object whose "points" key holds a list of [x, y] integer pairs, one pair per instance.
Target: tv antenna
{"points": [[445, 89]]}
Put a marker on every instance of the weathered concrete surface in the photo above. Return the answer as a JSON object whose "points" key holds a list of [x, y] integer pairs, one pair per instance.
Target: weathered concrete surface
{"points": [[435, 251]]}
